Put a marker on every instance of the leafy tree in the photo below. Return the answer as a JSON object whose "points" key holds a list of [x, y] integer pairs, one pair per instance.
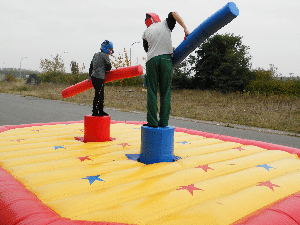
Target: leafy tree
{"points": [[223, 64], [52, 70], [123, 61], [263, 75], [52, 65], [74, 67], [274, 71], [182, 74]]}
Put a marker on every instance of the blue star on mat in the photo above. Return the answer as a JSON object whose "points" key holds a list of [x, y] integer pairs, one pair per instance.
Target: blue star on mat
{"points": [[183, 142], [134, 157], [92, 179], [266, 167], [57, 147]]}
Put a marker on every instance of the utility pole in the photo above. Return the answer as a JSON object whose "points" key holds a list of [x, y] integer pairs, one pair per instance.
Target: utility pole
{"points": [[130, 50], [20, 65]]}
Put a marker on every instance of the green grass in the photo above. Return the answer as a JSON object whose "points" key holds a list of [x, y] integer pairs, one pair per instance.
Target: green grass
{"points": [[271, 112]]}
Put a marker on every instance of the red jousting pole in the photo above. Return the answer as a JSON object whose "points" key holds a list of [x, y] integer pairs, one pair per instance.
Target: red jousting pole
{"points": [[120, 73]]}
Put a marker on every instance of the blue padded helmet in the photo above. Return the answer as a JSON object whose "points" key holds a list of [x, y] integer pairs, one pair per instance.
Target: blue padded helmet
{"points": [[106, 45]]}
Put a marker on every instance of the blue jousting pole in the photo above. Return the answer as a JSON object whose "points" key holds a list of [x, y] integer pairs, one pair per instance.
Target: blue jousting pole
{"points": [[211, 25]]}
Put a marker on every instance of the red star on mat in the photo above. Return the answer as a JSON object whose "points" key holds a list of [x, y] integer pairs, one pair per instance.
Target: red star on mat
{"points": [[268, 184], [204, 167], [240, 149], [124, 144], [84, 158], [37, 130], [190, 188], [18, 140], [79, 139]]}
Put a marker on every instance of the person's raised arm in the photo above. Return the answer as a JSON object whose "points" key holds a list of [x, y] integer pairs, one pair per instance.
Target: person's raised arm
{"points": [[180, 21]]}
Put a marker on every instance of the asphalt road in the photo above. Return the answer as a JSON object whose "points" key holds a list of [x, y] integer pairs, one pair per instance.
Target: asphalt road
{"points": [[15, 110]]}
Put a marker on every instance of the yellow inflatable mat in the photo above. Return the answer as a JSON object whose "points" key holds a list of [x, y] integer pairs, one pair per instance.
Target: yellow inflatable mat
{"points": [[50, 176]]}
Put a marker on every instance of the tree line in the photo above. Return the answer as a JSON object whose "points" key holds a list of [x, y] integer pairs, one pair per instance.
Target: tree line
{"points": [[222, 63]]}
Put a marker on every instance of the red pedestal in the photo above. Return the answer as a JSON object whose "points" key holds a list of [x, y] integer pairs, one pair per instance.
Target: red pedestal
{"points": [[96, 128]]}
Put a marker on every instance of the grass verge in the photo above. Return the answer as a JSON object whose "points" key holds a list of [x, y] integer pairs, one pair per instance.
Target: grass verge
{"points": [[271, 112]]}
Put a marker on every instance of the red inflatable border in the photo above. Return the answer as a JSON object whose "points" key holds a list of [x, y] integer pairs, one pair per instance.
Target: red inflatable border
{"points": [[20, 206]]}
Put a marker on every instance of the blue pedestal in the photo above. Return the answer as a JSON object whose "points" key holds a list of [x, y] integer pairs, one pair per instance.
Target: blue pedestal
{"points": [[157, 145]]}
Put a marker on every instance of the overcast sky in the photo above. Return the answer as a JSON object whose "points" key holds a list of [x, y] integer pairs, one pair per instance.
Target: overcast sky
{"points": [[75, 29]]}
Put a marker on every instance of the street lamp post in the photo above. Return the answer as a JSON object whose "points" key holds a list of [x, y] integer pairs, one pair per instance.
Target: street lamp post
{"points": [[130, 49], [20, 64]]}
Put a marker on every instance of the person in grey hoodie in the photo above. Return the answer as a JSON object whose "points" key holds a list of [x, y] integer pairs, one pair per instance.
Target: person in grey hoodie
{"points": [[100, 65]]}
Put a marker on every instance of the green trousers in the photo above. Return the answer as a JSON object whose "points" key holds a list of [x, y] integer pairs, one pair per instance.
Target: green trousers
{"points": [[159, 74]]}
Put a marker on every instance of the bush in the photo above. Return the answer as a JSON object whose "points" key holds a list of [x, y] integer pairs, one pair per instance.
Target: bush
{"points": [[76, 78], [33, 79], [68, 78], [263, 75], [10, 78], [289, 87], [22, 88], [59, 77], [133, 82], [267, 83]]}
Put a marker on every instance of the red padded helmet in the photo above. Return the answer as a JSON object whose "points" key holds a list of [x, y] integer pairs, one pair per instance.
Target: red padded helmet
{"points": [[151, 18]]}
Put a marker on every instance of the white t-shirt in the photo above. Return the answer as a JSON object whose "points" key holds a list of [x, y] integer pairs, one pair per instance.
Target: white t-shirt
{"points": [[158, 36]]}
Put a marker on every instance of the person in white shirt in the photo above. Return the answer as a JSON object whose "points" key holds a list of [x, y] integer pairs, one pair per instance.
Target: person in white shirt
{"points": [[157, 43]]}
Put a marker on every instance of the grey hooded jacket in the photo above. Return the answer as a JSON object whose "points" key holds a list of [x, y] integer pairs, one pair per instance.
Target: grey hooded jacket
{"points": [[100, 65]]}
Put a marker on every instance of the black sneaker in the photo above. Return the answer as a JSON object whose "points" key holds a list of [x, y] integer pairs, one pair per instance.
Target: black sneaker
{"points": [[103, 114]]}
